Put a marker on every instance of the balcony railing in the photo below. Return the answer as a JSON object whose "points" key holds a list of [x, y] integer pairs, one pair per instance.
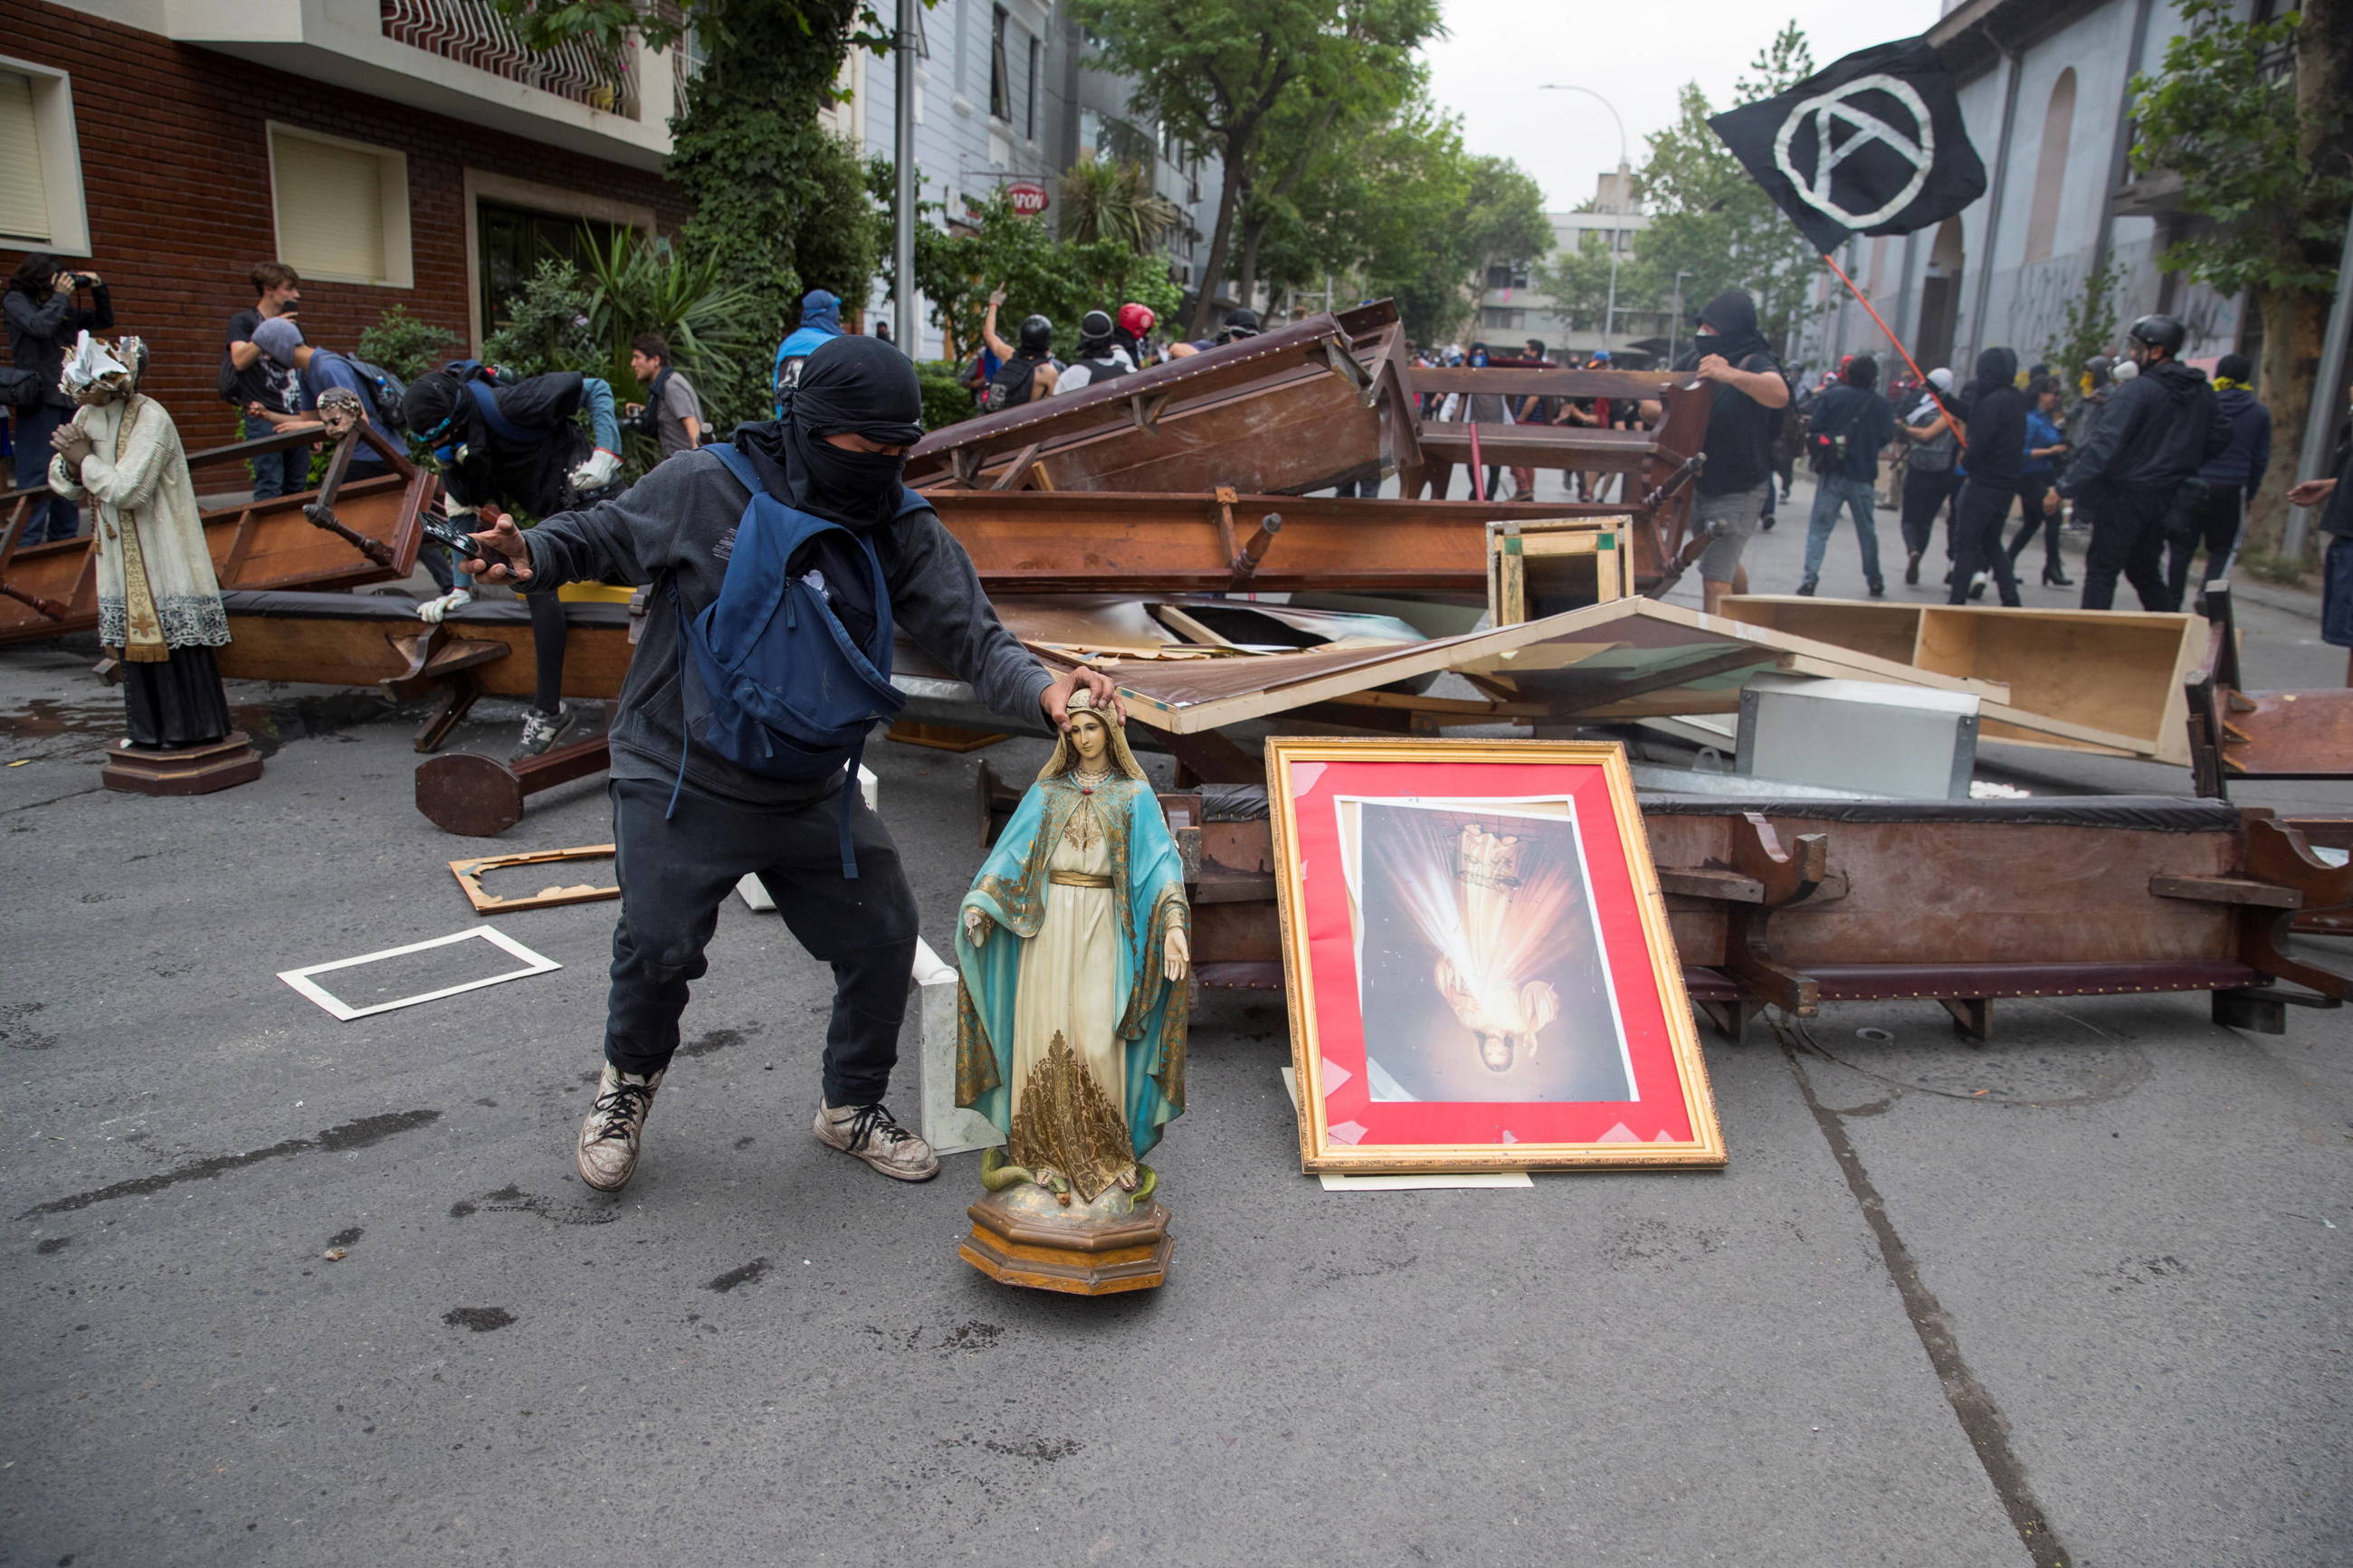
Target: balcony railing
{"points": [[475, 33]]}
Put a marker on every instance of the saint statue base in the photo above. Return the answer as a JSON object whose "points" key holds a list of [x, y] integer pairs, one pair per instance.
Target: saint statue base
{"points": [[1016, 1240], [193, 770]]}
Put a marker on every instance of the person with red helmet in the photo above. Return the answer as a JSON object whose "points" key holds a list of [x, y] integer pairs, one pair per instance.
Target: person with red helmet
{"points": [[1131, 332]]}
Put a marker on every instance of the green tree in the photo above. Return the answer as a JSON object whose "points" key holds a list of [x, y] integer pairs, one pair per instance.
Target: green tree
{"points": [[1578, 282], [2256, 119], [1401, 210], [1105, 198], [779, 205], [1710, 221], [1216, 72], [1057, 278]]}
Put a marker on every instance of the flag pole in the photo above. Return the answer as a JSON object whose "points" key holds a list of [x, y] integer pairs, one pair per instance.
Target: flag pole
{"points": [[1865, 301]]}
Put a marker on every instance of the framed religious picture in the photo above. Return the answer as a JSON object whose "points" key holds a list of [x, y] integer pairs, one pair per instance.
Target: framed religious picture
{"points": [[1480, 970]]}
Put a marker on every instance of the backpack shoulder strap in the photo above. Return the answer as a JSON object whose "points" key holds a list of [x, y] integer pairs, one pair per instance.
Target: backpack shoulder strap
{"points": [[487, 400], [736, 463]]}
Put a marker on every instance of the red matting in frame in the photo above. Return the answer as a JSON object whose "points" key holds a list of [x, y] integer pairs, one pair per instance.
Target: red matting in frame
{"points": [[1661, 1111]]}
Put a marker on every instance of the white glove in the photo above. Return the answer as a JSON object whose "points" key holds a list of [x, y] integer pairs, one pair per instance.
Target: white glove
{"points": [[597, 471], [432, 610]]}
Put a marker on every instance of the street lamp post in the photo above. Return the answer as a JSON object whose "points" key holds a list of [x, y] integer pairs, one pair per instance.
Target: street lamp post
{"points": [[1609, 312], [903, 150]]}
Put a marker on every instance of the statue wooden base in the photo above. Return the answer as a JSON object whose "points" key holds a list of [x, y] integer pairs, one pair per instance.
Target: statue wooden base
{"points": [[194, 769], [1015, 1245]]}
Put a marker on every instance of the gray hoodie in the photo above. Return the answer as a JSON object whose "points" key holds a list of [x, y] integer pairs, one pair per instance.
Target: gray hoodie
{"points": [[675, 528]]}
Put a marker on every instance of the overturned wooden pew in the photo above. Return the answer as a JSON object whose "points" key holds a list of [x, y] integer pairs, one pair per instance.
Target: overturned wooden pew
{"points": [[1298, 408], [1795, 903], [346, 534]]}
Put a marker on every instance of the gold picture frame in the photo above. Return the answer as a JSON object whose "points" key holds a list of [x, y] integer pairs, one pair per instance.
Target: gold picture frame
{"points": [[1385, 856]]}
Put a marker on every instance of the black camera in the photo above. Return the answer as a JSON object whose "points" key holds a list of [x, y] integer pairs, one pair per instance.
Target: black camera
{"points": [[456, 538]]}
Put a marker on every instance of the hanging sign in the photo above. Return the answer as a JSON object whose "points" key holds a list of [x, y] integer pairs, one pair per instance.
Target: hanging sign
{"points": [[1027, 197]]}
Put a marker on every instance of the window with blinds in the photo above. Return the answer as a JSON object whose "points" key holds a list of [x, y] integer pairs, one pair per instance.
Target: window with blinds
{"points": [[23, 184], [332, 201]]}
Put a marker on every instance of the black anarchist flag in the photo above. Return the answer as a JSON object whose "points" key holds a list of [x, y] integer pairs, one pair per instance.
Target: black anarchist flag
{"points": [[1873, 144]]}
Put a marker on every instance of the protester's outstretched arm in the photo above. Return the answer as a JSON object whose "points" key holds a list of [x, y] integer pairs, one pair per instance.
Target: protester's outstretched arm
{"points": [[597, 393], [632, 538], [937, 596]]}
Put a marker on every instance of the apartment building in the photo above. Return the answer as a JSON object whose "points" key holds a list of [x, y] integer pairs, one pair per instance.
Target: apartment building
{"points": [[395, 152], [1512, 309], [1004, 95]]}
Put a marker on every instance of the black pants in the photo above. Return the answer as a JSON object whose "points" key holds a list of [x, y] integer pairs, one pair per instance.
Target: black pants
{"points": [[1977, 541], [1925, 495], [549, 633], [2213, 522], [674, 874], [2031, 489], [2127, 538]]}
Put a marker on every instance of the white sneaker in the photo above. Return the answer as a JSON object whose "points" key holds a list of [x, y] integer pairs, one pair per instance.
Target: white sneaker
{"points": [[872, 1134], [613, 1132], [541, 730]]}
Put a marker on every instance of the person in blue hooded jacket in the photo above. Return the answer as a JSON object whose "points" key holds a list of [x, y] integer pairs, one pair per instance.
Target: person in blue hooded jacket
{"points": [[820, 321]]}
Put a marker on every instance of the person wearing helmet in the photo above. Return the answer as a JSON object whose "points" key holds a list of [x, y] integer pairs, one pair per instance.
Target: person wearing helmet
{"points": [[1133, 334], [1241, 322], [2159, 428], [1025, 373], [1098, 359]]}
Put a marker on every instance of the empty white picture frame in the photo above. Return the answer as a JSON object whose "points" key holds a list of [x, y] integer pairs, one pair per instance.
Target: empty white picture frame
{"points": [[302, 979]]}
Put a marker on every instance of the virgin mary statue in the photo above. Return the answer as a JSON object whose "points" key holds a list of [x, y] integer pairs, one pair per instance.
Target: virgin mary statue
{"points": [[1070, 1026]]}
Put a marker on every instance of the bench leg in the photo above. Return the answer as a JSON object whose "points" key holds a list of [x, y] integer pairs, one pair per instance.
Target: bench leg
{"points": [[1730, 1019], [2250, 1010], [1972, 1015], [458, 698]]}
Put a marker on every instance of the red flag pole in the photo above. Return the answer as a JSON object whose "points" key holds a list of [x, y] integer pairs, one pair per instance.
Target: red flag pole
{"points": [[1478, 481], [1913, 365]]}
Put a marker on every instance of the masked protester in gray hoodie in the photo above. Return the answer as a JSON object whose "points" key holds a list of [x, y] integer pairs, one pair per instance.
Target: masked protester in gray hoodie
{"points": [[837, 454]]}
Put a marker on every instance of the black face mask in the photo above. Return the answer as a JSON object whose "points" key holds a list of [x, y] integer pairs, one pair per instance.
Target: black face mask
{"points": [[850, 481]]}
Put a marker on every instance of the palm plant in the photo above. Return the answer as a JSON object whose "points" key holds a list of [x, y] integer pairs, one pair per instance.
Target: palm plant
{"points": [[1103, 199], [640, 285]]}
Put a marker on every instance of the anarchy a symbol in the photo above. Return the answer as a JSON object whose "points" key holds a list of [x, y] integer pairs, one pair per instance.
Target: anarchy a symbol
{"points": [[1841, 110]]}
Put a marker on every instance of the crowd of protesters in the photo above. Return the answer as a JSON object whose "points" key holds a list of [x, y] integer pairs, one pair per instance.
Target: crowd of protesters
{"points": [[2149, 458]]}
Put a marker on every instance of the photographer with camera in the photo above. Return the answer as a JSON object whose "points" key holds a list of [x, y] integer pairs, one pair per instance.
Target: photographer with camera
{"points": [[44, 320]]}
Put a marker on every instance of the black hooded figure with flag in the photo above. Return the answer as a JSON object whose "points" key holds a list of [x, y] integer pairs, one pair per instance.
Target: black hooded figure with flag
{"points": [[1873, 144], [780, 563]]}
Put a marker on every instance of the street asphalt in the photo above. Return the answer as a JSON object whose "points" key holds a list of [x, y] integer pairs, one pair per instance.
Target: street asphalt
{"points": [[2076, 1295]]}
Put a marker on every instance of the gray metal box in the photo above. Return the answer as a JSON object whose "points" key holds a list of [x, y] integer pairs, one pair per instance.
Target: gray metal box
{"points": [[1884, 740]]}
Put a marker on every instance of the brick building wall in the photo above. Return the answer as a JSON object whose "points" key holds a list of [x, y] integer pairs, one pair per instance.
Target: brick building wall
{"points": [[175, 176]]}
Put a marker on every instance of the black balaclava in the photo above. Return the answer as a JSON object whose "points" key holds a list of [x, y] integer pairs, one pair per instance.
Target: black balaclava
{"points": [[440, 414], [857, 385], [1733, 314], [1997, 371]]}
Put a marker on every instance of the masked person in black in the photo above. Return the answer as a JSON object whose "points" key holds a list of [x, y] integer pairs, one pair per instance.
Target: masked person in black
{"points": [[688, 822], [1742, 422], [2158, 430], [518, 446], [1994, 440]]}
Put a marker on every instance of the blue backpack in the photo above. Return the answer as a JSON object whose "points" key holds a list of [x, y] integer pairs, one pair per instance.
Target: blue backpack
{"points": [[778, 687]]}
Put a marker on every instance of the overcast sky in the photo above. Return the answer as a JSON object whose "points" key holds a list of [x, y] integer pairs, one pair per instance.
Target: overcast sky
{"points": [[1636, 53]]}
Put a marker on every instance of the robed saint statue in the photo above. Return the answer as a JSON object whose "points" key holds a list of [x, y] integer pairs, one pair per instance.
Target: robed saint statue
{"points": [[1074, 947]]}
